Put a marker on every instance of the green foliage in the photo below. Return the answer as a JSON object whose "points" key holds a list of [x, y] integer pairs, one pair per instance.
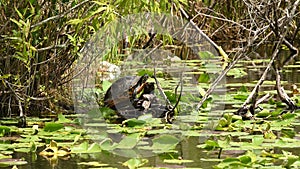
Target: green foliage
{"points": [[135, 163], [165, 142], [237, 72], [52, 126], [204, 78], [40, 44], [86, 148], [4, 130]]}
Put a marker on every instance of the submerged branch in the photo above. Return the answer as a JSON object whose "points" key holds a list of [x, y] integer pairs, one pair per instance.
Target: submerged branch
{"points": [[252, 97], [282, 94]]}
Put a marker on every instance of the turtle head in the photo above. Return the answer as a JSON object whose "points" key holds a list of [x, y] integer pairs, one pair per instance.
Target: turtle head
{"points": [[144, 78]]}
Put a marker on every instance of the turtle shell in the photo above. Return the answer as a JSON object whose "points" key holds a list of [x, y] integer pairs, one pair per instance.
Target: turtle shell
{"points": [[123, 91], [132, 96]]}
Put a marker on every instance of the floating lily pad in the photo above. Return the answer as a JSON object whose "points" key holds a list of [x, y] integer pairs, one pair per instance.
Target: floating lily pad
{"points": [[93, 164], [11, 162], [165, 142], [177, 161], [52, 126], [86, 148], [135, 163]]}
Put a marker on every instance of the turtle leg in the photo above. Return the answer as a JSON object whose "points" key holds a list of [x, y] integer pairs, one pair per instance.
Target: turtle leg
{"points": [[138, 90], [141, 88]]}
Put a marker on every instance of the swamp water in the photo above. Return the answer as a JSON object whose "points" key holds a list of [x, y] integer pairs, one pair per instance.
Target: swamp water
{"points": [[189, 143]]}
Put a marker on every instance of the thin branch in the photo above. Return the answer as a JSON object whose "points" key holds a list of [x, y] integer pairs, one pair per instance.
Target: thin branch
{"points": [[225, 20], [160, 89]]}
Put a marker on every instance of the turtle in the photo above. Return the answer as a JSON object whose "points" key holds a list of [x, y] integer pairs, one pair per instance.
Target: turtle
{"points": [[133, 96], [124, 91]]}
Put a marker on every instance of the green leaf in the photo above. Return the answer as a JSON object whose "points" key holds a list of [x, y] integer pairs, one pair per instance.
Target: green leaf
{"points": [[263, 113], [5, 76], [165, 142], [75, 21], [129, 141], [237, 72], [243, 89], [63, 119], [99, 10], [257, 140], [80, 148], [204, 78], [177, 161], [145, 71], [105, 85], [16, 22], [52, 126], [134, 122], [94, 148], [11, 162], [93, 164], [210, 145], [201, 90], [230, 159], [206, 55], [245, 159], [290, 133], [224, 143], [107, 144], [85, 148], [171, 96], [4, 130], [135, 163]]}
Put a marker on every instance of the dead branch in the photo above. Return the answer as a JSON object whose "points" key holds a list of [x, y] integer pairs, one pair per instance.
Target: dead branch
{"points": [[281, 92], [275, 27]]}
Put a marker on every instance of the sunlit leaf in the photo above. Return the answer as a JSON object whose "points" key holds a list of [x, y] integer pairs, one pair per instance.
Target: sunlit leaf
{"points": [[93, 164], [63, 119], [75, 21], [263, 113], [52, 126], [177, 161], [4, 130], [11, 162], [135, 163], [204, 78], [134, 122], [257, 140], [105, 85], [237, 72]]}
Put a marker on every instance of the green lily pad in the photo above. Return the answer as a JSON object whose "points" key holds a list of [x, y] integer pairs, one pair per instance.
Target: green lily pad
{"points": [[129, 141], [93, 164], [135, 163], [165, 142], [52, 126], [177, 161], [86, 148], [11, 162]]}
